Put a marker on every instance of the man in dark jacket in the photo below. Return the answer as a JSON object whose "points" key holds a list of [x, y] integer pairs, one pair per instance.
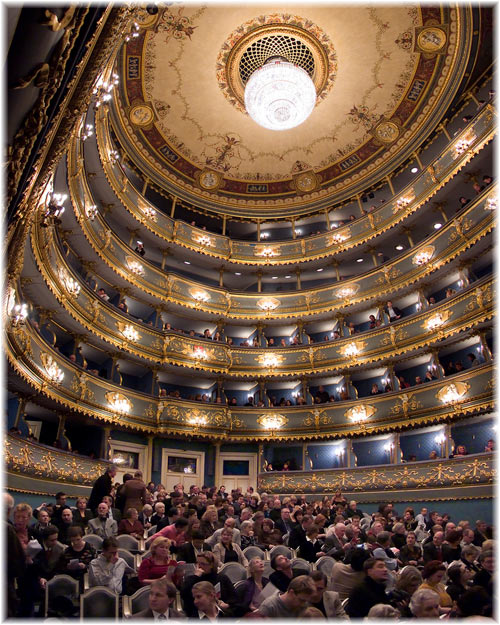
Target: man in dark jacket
{"points": [[188, 551], [161, 598], [283, 572], [298, 534], [370, 591], [102, 487]]}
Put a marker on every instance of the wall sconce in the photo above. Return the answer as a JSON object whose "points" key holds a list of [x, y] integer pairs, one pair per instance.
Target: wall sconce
{"points": [[491, 204], [345, 292], [199, 296], [298, 231], [103, 90], [54, 373], [264, 235], [130, 333], [452, 393], [463, 144], [403, 201], [272, 422], [424, 256], [360, 413], [18, 315], [55, 208], [440, 440], [338, 237], [87, 132], [113, 156], [434, 322], [199, 353], [340, 456], [197, 421], [134, 266], [268, 304], [270, 361], [205, 240], [91, 212], [150, 213], [71, 285], [118, 402], [134, 32], [389, 448], [266, 252]]}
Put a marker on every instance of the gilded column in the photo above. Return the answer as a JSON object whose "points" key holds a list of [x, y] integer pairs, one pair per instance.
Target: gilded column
{"points": [[218, 471], [149, 466]]}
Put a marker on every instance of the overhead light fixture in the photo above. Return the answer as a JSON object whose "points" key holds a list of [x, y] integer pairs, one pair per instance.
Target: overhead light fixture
{"points": [[237, 273], [320, 269], [274, 277], [288, 277], [399, 248], [279, 95], [437, 226], [359, 260], [414, 170], [186, 262]]}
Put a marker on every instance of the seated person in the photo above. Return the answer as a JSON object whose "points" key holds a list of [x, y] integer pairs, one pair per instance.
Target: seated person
{"points": [[374, 323], [101, 524], [312, 548], [160, 564], [131, 525], [228, 551], [392, 311], [161, 599], [249, 593], [78, 555], [375, 389], [108, 568], [208, 606]]}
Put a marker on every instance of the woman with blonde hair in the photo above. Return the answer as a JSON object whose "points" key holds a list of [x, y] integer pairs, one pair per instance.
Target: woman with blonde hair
{"points": [[159, 564], [227, 551], [209, 521]]}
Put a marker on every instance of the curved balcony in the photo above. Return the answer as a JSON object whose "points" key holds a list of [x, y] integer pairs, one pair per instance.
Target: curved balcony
{"points": [[466, 477], [457, 235], [467, 309], [349, 236], [37, 468], [54, 376]]}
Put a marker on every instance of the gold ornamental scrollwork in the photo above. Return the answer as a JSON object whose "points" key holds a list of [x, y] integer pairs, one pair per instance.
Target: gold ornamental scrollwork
{"points": [[406, 402], [80, 387], [317, 419]]}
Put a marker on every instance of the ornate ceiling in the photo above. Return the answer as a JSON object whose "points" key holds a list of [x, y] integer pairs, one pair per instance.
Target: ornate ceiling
{"points": [[384, 77]]}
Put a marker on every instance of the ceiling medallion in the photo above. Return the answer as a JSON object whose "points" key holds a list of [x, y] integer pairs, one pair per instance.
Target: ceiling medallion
{"points": [[387, 131], [208, 179], [431, 40], [141, 115], [290, 37], [306, 181]]}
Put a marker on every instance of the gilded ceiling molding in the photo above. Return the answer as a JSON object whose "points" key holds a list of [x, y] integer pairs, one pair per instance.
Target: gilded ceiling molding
{"points": [[308, 248], [77, 100], [473, 305], [106, 402], [378, 282]]}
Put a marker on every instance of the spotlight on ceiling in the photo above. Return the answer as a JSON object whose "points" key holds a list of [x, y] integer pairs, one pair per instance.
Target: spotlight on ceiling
{"points": [[437, 226], [399, 248], [414, 170]]}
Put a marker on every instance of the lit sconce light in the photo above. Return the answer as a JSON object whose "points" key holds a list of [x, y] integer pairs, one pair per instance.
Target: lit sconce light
{"points": [[264, 235], [54, 373], [403, 202], [491, 204], [118, 460], [199, 353], [87, 132], [197, 421], [389, 447], [134, 32], [360, 413], [434, 322], [55, 208], [270, 361], [113, 156], [150, 213], [418, 306], [463, 144], [199, 296], [272, 422], [440, 439], [91, 212], [118, 403], [205, 240], [339, 237], [266, 252], [345, 292], [350, 350], [103, 90], [19, 314], [298, 231], [424, 256], [268, 304], [453, 393], [134, 266], [414, 170], [130, 333], [71, 285]]}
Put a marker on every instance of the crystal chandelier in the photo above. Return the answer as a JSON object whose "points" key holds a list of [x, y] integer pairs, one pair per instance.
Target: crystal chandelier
{"points": [[279, 95]]}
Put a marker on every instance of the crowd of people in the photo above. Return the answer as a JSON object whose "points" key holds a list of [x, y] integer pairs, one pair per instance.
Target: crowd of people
{"points": [[320, 557]]}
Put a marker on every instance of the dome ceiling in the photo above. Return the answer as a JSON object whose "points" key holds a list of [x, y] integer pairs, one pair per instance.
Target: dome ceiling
{"points": [[384, 77]]}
